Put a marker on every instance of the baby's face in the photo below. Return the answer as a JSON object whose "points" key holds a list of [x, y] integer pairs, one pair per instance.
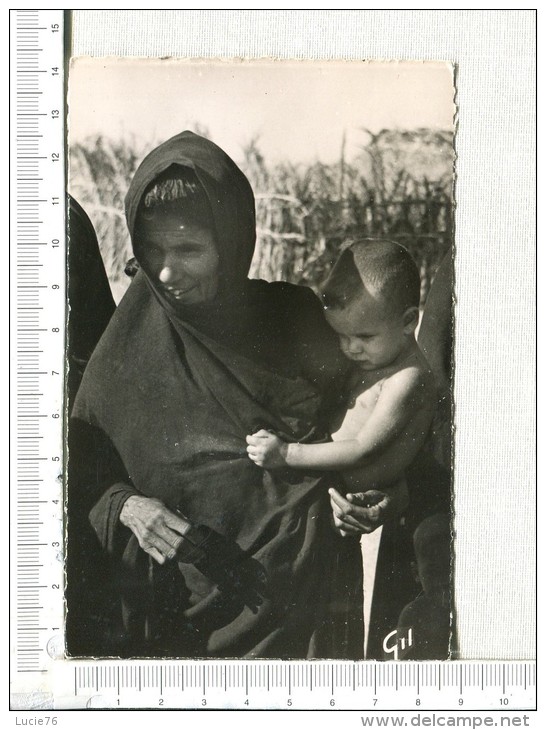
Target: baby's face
{"points": [[369, 335]]}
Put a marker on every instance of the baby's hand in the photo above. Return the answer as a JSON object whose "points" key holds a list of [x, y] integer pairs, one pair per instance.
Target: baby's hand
{"points": [[266, 450]]}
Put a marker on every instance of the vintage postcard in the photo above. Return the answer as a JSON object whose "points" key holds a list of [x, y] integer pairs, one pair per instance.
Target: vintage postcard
{"points": [[299, 367], [260, 359]]}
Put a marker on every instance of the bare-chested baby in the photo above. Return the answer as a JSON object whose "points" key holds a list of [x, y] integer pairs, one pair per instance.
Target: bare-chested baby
{"points": [[371, 300]]}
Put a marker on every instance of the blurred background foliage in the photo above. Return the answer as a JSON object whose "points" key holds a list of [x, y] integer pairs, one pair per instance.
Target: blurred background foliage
{"points": [[399, 185]]}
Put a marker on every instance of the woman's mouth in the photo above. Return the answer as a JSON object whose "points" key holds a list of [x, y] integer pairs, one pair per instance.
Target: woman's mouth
{"points": [[177, 293]]}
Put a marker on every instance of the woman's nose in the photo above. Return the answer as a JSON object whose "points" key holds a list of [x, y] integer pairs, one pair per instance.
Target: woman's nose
{"points": [[165, 275]]}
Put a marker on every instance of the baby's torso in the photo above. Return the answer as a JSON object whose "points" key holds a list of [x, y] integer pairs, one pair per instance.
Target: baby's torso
{"points": [[363, 390], [359, 405]]}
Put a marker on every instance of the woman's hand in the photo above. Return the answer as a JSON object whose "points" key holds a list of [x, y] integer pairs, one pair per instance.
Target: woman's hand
{"points": [[266, 450], [361, 512], [158, 530]]}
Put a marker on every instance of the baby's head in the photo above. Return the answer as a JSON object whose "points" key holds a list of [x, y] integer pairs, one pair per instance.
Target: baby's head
{"points": [[371, 300], [432, 545]]}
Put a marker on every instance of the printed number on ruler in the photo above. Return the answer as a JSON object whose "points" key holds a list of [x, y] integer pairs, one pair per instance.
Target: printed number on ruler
{"points": [[38, 237]]}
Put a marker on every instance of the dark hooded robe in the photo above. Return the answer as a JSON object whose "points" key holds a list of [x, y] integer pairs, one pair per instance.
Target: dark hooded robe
{"points": [[91, 308], [91, 301], [166, 402]]}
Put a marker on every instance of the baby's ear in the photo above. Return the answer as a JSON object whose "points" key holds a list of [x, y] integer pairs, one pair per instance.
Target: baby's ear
{"points": [[410, 319]]}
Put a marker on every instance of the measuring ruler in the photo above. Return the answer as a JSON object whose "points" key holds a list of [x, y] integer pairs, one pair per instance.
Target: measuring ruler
{"points": [[37, 326], [323, 685], [41, 676]]}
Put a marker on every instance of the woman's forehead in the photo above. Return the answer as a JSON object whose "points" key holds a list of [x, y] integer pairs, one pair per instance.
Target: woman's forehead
{"points": [[178, 216], [165, 235], [162, 220]]}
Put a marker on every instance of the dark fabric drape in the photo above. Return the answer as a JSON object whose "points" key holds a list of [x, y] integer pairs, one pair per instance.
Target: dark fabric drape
{"points": [[163, 410], [90, 299], [429, 486], [90, 308]]}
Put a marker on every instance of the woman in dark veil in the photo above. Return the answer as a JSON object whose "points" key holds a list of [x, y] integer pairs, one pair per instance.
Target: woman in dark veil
{"points": [[90, 308], [89, 294], [210, 555]]}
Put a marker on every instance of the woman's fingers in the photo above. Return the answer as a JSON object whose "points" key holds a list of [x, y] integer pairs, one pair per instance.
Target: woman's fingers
{"points": [[171, 532], [158, 530], [350, 533], [158, 540], [346, 527], [346, 530], [176, 522], [155, 554], [157, 548], [370, 499], [376, 507], [349, 505], [167, 541], [338, 499], [349, 516], [343, 510], [343, 517]]}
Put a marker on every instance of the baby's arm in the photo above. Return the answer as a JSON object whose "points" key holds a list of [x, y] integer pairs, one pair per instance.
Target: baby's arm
{"points": [[401, 414]]}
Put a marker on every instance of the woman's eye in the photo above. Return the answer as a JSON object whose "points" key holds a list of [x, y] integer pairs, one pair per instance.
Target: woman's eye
{"points": [[190, 248]]}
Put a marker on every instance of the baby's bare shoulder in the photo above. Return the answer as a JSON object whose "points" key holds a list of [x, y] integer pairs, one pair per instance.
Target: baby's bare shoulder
{"points": [[413, 378]]}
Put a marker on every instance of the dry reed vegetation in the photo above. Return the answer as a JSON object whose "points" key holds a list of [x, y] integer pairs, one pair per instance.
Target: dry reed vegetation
{"points": [[399, 186]]}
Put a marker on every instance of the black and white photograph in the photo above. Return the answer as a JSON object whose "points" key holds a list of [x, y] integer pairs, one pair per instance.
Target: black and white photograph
{"points": [[260, 359], [272, 349]]}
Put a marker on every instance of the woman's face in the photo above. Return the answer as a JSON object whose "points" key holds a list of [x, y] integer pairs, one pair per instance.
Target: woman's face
{"points": [[179, 255]]}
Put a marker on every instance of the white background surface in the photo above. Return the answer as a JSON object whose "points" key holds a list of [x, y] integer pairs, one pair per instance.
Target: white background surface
{"points": [[495, 256]]}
